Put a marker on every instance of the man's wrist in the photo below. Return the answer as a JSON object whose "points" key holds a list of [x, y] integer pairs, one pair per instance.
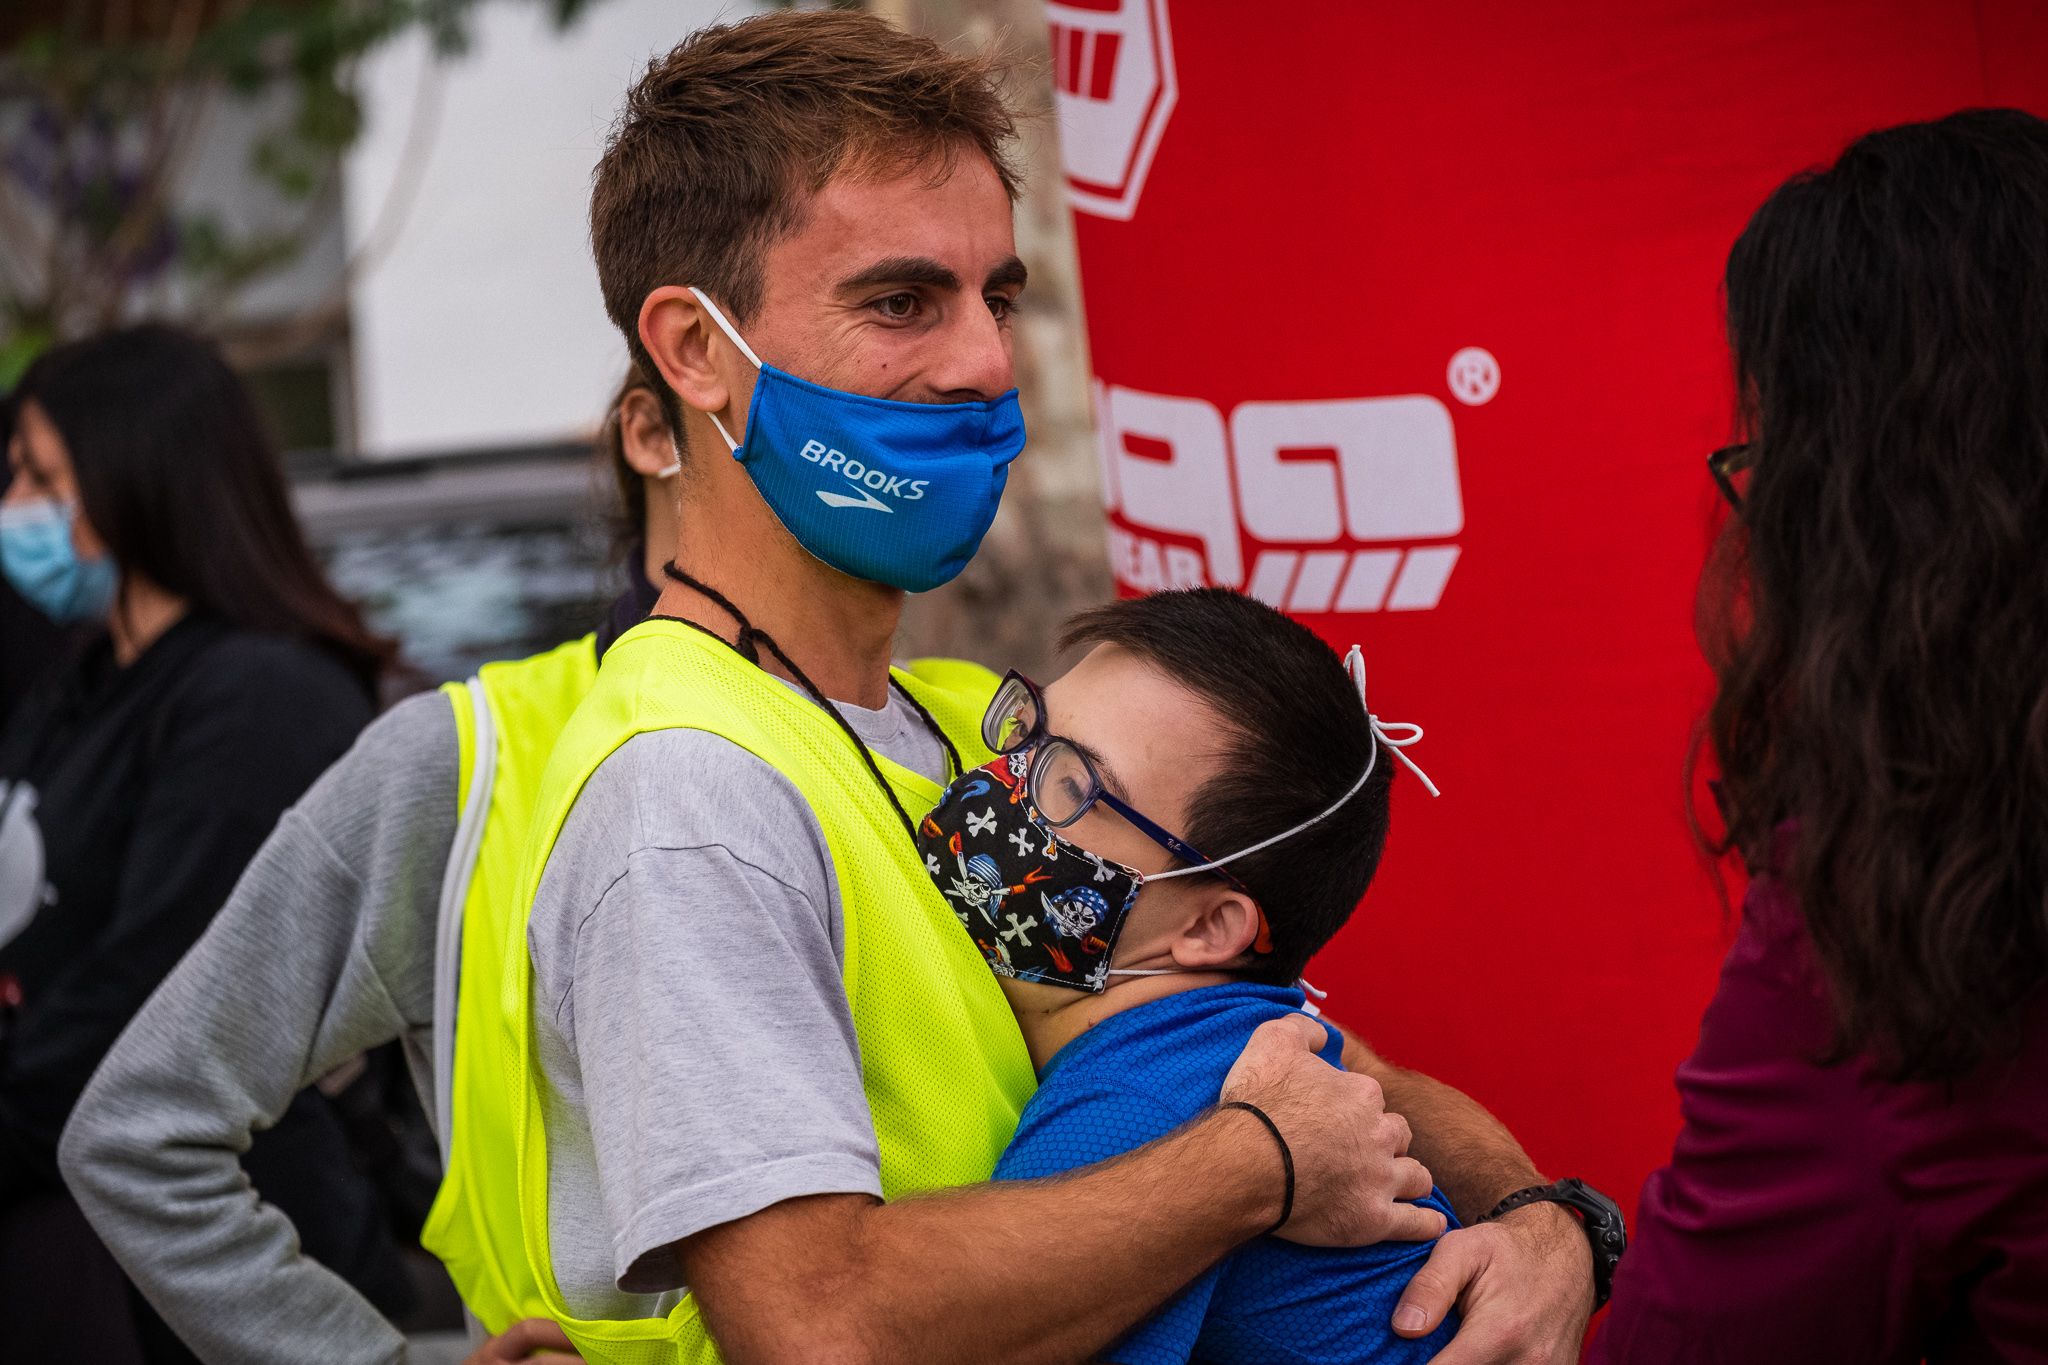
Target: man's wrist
{"points": [[1286, 1160], [1553, 1231], [1555, 1222], [1248, 1158]]}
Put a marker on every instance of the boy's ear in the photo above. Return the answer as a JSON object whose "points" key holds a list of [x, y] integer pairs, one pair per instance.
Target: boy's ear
{"points": [[1221, 933]]}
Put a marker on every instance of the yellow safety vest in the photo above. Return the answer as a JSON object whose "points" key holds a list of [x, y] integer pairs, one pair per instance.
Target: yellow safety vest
{"points": [[507, 720], [945, 1070]]}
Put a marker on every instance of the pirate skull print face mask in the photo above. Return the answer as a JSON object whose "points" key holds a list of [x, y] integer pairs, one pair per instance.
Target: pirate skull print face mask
{"points": [[1039, 906]]}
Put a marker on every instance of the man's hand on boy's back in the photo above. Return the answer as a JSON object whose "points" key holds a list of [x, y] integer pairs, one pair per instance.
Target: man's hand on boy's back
{"points": [[1350, 1156], [1524, 1283], [965, 1274]]}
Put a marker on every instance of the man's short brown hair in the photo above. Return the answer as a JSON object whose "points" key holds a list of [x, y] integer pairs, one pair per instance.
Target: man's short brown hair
{"points": [[726, 136]]}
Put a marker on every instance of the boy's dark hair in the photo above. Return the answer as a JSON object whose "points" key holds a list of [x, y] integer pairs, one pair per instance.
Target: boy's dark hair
{"points": [[725, 136], [1295, 740]]}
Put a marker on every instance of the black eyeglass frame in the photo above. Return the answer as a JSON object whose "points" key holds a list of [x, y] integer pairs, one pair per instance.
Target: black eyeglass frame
{"points": [[1044, 740], [1724, 464]]}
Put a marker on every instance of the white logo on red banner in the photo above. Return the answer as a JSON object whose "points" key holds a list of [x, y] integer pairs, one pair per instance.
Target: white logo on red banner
{"points": [[1114, 88], [1307, 506], [1474, 376]]}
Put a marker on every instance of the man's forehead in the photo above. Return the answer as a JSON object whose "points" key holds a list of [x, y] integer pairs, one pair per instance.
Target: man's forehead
{"points": [[957, 215]]}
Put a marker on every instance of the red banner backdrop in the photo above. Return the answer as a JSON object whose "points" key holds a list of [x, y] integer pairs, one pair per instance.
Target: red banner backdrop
{"points": [[1404, 317]]}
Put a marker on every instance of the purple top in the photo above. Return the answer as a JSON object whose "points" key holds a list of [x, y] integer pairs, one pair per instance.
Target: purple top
{"points": [[1816, 1213]]}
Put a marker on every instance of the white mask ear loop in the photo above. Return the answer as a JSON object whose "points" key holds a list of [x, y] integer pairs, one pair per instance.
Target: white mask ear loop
{"points": [[732, 335], [675, 466], [1354, 664]]}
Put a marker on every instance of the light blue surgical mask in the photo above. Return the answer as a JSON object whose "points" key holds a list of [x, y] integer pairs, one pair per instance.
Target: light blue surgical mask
{"points": [[891, 492], [40, 560]]}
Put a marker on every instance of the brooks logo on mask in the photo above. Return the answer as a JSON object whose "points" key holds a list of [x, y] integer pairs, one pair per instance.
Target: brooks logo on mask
{"points": [[798, 432], [880, 481]]}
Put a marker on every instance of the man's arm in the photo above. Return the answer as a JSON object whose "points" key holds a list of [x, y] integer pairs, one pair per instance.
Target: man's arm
{"points": [[1524, 1284], [1475, 1159], [686, 959], [281, 988], [1056, 1270]]}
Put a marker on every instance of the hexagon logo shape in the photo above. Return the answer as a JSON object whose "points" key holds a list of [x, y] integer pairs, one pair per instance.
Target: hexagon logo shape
{"points": [[1114, 89]]}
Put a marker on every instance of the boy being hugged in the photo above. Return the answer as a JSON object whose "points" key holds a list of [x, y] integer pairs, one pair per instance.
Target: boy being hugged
{"points": [[1200, 723]]}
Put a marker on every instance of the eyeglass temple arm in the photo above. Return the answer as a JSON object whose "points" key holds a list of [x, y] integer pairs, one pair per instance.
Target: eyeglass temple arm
{"points": [[1172, 843]]}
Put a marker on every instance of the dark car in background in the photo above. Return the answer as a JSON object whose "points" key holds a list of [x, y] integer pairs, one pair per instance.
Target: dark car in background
{"points": [[466, 558]]}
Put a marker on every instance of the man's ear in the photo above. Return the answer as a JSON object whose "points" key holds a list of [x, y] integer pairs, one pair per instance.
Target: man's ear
{"points": [[644, 437], [678, 335], [1222, 932]]}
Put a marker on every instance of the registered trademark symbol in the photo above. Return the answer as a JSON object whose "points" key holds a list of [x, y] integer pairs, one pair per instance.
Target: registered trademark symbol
{"points": [[1474, 376]]}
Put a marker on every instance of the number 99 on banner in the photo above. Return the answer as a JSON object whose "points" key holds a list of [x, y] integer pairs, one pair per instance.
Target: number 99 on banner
{"points": [[1310, 506]]}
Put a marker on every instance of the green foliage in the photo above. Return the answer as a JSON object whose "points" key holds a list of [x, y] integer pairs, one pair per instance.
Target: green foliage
{"points": [[97, 128]]}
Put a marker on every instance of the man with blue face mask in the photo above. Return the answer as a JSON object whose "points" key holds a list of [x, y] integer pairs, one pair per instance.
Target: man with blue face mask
{"points": [[741, 1025]]}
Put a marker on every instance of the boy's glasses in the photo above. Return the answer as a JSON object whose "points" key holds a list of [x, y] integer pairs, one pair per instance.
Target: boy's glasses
{"points": [[1062, 781]]}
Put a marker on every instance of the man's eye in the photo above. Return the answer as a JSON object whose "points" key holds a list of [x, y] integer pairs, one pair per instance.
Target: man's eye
{"points": [[897, 307], [1002, 308]]}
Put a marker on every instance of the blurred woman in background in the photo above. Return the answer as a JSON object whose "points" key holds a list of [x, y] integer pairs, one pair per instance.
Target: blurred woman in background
{"points": [[361, 867], [221, 675], [29, 640], [1863, 1171]]}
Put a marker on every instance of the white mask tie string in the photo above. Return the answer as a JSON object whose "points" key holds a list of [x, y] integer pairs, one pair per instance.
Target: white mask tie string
{"points": [[1354, 664]]}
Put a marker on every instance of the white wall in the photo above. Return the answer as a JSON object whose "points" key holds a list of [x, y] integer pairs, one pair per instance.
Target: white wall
{"points": [[218, 182], [481, 324]]}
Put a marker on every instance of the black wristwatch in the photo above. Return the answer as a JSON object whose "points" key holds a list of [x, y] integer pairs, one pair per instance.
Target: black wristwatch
{"points": [[1606, 1230]]}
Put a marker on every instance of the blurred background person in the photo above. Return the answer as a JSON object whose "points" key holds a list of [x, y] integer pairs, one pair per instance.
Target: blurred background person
{"points": [[29, 643], [222, 674], [29, 640], [1863, 1170], [640, 461], [253, 1015]]}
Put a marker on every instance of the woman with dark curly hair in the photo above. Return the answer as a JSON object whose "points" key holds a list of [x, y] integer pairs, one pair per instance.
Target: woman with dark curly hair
{"points": [[1863, 1170]]}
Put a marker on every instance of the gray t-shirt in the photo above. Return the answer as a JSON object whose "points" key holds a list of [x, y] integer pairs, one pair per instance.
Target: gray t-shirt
{"points": [[690, 1017]]}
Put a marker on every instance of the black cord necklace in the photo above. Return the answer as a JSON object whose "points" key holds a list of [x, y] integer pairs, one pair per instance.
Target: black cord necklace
{"points": [[745, 644]]}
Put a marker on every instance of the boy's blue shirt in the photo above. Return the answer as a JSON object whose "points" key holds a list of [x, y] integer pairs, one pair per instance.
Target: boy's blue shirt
{"points": [[1141, 1074]]}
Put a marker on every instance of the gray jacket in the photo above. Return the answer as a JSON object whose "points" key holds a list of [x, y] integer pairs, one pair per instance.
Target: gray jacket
{"points": [[324, 950]]}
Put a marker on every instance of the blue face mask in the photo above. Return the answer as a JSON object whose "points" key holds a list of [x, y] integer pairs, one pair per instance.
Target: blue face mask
{"points": [[891, 492], [39, 559]]}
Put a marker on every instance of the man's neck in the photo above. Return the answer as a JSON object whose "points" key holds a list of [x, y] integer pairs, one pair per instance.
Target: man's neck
{"points": [[838, 630], [659, 545], [1050, 1017]]}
